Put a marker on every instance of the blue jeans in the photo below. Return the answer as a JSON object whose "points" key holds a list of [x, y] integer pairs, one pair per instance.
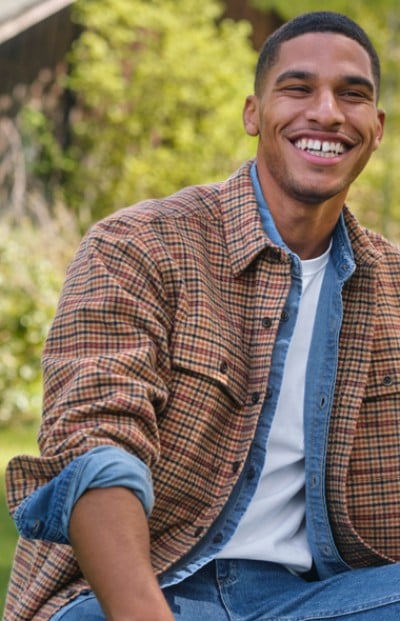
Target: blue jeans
{"points": [[227, 590]]}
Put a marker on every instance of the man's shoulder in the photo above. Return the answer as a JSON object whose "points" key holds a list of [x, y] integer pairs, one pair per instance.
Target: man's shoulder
{"points": [[188, 202], [156, 220], [192, 202], [388, 264], [382, 244], [366, 241]]}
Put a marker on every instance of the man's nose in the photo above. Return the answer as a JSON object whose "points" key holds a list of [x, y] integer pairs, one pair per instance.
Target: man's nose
{"points": [[325, 109]]}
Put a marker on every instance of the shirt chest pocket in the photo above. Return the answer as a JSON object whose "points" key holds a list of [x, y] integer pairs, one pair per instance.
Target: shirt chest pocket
{"points": [[376, 455], [375, 461], [212, 351], [383, 380], [384, 373]]}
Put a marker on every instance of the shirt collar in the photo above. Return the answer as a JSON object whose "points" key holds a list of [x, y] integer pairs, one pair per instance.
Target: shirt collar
{"points": [[342, 252], [243, 230]]}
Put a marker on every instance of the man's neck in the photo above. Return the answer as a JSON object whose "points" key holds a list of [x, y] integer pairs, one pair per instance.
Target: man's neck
{"points": [[306, 228], [308, 235]]}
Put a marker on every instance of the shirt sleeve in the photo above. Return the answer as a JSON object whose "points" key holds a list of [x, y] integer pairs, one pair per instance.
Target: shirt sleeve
{"points": [[45, 514]]}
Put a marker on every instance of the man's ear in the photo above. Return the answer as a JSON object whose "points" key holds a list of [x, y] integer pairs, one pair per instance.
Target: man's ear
{"points": [[381, 126], [250, 115]]}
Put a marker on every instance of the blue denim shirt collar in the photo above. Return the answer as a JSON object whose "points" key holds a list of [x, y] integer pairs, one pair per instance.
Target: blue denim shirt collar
{"points": [[341, 254]]}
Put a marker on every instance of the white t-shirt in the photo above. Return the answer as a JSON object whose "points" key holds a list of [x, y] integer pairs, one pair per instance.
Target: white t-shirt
{"points": [[273, 526]]}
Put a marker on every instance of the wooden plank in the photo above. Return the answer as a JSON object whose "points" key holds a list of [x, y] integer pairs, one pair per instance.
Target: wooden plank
{"points": [[29, 17]]}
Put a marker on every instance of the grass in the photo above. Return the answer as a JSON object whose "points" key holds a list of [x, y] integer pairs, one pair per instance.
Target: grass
{"points": [[13, 441]]}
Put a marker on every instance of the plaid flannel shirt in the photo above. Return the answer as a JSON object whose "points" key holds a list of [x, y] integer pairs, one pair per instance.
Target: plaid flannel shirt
{"points": [[161, 345]]}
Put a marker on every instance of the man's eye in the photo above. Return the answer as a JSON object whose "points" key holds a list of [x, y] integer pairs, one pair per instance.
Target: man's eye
{"points": [[350, 94], [297, 88]]}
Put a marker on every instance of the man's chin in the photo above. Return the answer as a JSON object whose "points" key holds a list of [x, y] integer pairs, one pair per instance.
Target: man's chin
{"points": [[314, 196]]}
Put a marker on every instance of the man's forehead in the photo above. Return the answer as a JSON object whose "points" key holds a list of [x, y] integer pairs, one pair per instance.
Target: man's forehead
{"points": [[316, 50], [329, 42]]}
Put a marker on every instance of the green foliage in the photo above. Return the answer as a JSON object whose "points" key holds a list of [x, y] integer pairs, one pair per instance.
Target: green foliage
{"points": [[376, 195], [33, 261], [161, 86], [42, 151], [32, 161]]}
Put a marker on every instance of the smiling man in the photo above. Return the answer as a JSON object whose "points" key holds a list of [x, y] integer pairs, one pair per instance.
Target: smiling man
{"points": [[220, 437]]}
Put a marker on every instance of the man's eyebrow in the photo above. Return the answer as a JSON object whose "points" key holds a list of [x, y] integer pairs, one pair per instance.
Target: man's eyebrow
{"points": [[354, 80], [294, 74], [351, 80]]}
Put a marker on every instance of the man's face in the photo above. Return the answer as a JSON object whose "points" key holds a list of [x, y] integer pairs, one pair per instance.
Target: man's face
{"points": [[316, 117]]}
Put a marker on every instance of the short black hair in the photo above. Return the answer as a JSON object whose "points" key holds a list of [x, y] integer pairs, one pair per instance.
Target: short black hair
{"points": [[315, 21]]}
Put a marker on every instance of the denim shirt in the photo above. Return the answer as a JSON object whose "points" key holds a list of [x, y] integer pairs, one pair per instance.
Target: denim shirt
{"points": [[45, 514]]}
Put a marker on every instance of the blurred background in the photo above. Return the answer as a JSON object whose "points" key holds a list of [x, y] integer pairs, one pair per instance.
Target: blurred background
{"points": [[106, 102]]}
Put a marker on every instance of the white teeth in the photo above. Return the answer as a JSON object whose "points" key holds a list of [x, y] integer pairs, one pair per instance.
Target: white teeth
{"points": [[323, 149]]}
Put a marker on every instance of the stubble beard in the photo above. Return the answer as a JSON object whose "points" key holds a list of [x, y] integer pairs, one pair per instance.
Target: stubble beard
{"points": [[314, 196], [306, 193]]}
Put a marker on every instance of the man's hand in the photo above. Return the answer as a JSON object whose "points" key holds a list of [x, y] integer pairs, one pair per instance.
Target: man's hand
{"points": [[110, 537]]}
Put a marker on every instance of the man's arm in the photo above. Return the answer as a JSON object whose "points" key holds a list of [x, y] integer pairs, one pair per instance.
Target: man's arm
{"points": [[110, 537]]}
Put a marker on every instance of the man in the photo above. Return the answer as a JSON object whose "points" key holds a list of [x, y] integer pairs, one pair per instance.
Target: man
{"points": [[229, 355]]}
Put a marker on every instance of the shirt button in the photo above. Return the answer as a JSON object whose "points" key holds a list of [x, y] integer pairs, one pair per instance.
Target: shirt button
{"points": [[275, 254], [36, 527], [268, 393], [218, 538], [223, 367], [72, 592], [314, 480], [387, 380], [266, 322], [198, 531], [255, 397], [235, 466], [285, 316]]}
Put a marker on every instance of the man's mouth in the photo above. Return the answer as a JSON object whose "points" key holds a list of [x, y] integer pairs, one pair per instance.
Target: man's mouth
{"points": [[320, 148]]}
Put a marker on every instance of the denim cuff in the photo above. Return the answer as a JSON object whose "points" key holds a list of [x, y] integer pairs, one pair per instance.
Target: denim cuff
{"points": [[45, 514]]}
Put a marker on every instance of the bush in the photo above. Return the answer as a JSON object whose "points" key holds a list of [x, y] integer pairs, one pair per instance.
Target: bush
{"points": [[33, 260], [161, 85]]}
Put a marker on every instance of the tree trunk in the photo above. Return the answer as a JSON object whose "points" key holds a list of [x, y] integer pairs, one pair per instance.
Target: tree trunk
{"points": [[263, 23]]}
